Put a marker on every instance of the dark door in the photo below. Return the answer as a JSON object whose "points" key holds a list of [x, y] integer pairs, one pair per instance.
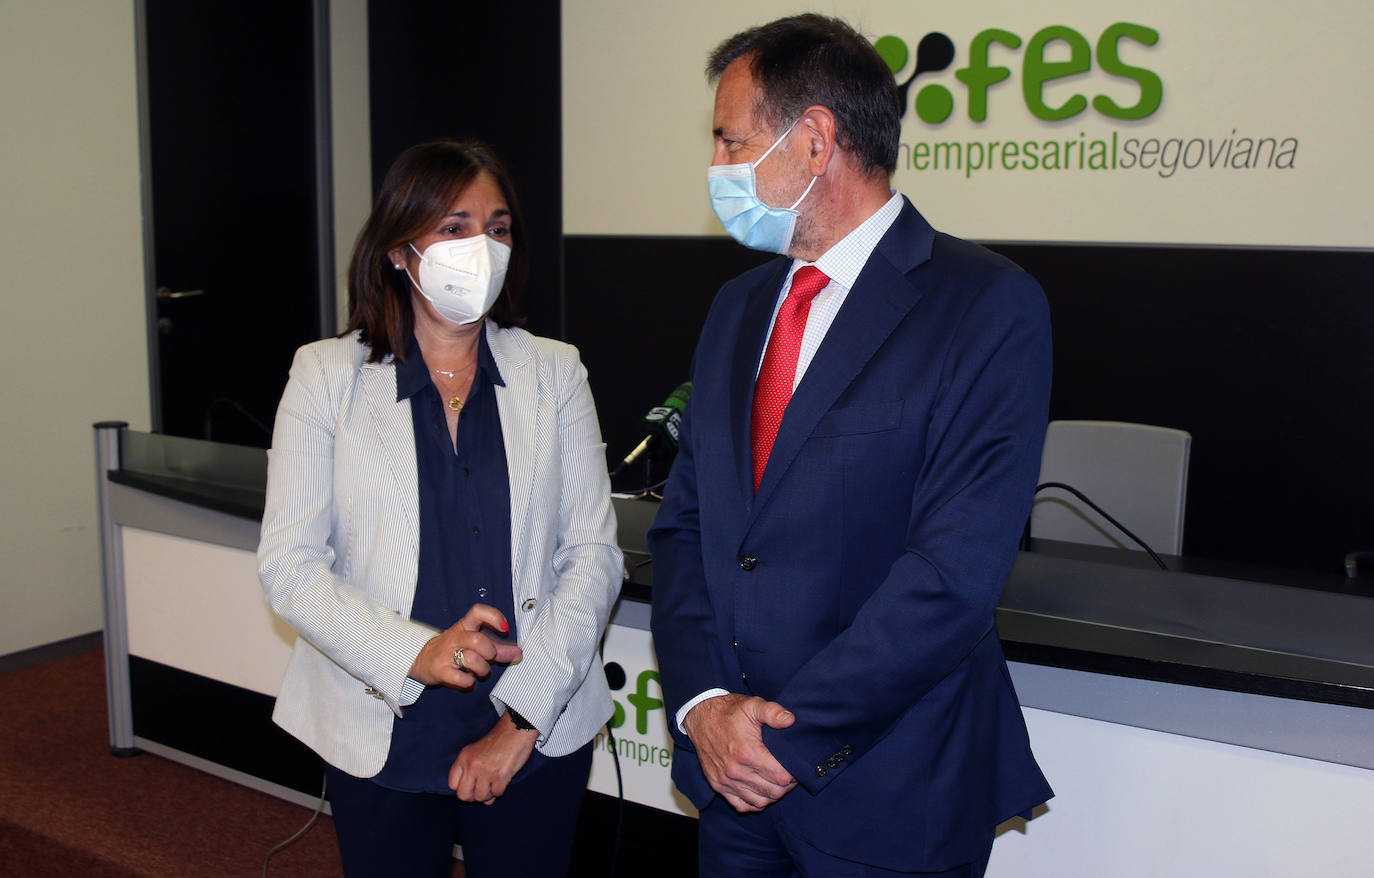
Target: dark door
{"points": [[231, 122]]}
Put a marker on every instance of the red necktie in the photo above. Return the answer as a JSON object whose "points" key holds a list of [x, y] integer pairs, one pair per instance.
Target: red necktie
{"points": [[774, 386]]}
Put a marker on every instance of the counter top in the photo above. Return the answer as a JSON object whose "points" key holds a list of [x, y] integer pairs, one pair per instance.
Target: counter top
{"points": [[1288, 634]]}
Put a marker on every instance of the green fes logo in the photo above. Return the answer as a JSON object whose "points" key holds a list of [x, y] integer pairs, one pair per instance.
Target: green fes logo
{"points": [[1052, 53], [640, 700]]}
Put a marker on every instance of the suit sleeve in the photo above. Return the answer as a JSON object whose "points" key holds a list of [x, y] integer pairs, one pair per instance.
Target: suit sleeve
{"points": [[296, 555], [686, 639], [560, 643], [938, 599]]}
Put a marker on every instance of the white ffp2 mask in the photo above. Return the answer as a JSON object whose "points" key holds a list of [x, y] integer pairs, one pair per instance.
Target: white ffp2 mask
{"points": [[461, 277]]}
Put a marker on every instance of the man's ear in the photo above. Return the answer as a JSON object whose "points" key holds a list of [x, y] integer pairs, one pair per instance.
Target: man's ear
{"points": [[818, 126]]}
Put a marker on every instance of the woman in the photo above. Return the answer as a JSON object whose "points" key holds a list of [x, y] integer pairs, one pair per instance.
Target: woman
{"points": [[438, 529]]}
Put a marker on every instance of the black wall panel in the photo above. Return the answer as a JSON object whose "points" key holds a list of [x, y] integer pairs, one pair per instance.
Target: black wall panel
{"points": [[484, 71], [1263, 355], [635, 309]]}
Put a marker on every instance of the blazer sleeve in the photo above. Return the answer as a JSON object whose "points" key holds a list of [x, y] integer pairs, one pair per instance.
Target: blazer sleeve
{"points": [[297, 549], [685, 632], [938, 599], [560, 643]]}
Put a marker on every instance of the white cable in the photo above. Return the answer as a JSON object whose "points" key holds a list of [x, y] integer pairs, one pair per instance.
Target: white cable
{"points": [[324, 787]]}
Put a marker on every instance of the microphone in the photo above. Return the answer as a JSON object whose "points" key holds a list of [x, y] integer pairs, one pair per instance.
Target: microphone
{"points": [[1025, 534], [663, 420]]}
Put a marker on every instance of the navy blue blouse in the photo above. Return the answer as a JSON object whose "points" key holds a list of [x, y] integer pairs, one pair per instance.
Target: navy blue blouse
{"points": [[465, 558]]}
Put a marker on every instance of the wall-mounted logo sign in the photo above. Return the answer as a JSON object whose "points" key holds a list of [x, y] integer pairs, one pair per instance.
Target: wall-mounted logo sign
{"points": [[1035, 69], [1026, 89]]}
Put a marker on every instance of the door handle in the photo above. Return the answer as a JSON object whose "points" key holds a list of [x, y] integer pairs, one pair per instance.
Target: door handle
{"points": [[168, 293]]}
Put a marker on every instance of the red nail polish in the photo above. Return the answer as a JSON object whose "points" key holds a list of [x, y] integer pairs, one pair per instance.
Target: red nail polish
{"points": [[505, 627]]}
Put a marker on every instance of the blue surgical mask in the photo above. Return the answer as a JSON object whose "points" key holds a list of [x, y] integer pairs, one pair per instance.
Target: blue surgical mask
{"points": [[735, 199]]}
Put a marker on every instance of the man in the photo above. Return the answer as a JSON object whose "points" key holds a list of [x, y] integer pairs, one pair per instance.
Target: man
{"points": [[855, 467]]}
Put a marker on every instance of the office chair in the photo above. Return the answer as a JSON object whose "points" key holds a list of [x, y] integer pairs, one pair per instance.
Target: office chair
{"points": [[1136, 473]]}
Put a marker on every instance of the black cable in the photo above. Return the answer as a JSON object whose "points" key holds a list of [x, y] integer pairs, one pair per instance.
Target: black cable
{"points": [[1098, 509], [209, 420], [619, 780], [620, 800], [319, 806]]}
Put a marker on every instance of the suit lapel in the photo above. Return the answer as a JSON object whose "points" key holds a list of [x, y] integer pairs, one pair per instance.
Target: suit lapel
{"points": [[881, 298], [753, 329], [395, 436], [522, 411]]}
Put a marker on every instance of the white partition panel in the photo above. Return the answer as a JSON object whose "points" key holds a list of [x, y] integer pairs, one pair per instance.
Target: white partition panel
{"points": [[1133, 803], [640, 727], [199, 607]]}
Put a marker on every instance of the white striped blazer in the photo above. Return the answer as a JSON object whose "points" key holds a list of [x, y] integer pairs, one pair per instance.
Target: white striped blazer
{"points": [[339, 551]]}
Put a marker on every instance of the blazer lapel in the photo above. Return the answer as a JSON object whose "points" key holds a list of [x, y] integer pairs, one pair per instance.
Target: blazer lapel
{"points": [[881, 298], [522, 411], [395, 436], [753, 329]]}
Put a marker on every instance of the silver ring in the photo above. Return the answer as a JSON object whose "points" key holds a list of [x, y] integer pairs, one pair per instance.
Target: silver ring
{"points": [[458, 659]]}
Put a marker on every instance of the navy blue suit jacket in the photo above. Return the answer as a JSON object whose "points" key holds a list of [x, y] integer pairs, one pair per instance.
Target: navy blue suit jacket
{"points": [[858, 587]]}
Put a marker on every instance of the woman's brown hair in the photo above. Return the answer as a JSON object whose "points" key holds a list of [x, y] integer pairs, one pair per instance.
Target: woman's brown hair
{"points": [[420, 188]]}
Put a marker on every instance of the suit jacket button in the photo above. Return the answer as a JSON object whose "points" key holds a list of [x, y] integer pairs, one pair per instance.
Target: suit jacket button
{"points": [[821, 771], [748, 562], [848, 750]]}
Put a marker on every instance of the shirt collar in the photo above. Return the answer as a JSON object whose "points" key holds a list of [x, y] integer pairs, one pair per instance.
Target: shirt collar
{"points": [[412, 376], [847, 257]]}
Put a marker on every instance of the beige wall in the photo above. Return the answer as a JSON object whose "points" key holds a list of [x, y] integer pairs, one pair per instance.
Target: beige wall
{"points": [[1232, 72], [352, 135], [72, 284]]}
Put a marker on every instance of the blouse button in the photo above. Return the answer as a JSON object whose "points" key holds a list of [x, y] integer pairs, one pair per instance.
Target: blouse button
{"points": [[528, 604]]}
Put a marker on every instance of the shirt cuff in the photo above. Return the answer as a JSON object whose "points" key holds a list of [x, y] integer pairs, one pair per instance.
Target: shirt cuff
{"points": [[411, 690], [687, 708]]}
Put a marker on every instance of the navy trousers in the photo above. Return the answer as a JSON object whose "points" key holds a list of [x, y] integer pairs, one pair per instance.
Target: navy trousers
{"points": [[755, 846], [526, 832]]}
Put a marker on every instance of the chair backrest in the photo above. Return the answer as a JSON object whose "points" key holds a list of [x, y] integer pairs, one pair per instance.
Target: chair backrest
{"points": [[1137, 473]]}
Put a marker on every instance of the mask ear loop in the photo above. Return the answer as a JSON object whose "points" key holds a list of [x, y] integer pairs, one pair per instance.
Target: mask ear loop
{"points": [[407, 269], [780, 139], [804, 193]]}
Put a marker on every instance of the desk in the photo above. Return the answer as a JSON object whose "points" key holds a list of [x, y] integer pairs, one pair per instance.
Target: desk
{"points": [[1192, 722]]}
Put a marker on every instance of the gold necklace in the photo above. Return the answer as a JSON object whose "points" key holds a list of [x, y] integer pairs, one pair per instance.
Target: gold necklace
{"points": [[455, 402]]}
